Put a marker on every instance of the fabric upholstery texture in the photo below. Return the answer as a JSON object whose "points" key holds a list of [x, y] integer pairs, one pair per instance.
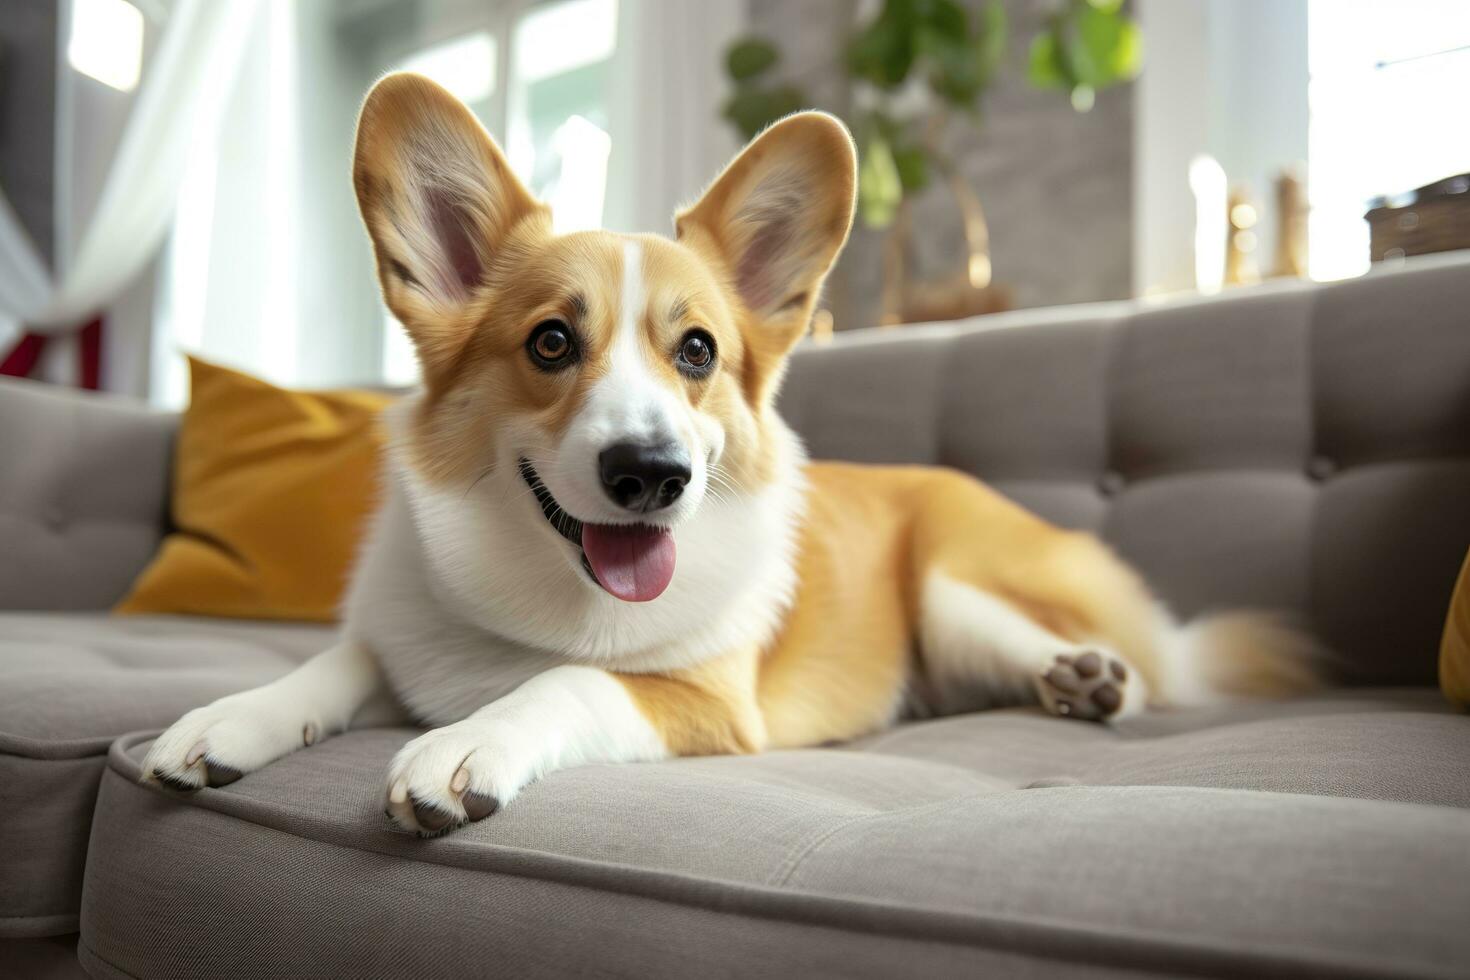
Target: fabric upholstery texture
{"points": [[272, 489], [83, 495], [1271, 840], [69, 685], [45, 958]]}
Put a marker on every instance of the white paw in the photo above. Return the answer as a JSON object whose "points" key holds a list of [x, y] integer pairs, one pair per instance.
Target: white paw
{"points": [[461, 772], [220, 742]]}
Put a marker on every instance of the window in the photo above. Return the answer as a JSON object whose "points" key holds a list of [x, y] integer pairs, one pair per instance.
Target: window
{"points": [[558, 140], [107, 42], [555, 108], [1385, 118]]}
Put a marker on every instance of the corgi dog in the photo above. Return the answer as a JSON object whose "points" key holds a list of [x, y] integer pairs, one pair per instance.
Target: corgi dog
{"points": [[600, 543]]}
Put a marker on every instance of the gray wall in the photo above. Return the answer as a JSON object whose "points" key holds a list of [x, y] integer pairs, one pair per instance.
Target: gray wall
{"points": [[28, 115], [1056, 184]]}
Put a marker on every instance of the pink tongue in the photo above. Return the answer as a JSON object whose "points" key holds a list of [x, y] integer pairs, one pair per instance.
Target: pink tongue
{"points": [[633, 563]]}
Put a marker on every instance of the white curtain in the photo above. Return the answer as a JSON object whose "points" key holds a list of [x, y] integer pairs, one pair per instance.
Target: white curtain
{"points": [[180, 103], [668, 140]]}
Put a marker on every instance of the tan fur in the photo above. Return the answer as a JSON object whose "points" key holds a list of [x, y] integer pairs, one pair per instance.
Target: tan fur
{"points": [[748, 267], [707, 710], [1254, 656], [872, 534], [471, 343]]}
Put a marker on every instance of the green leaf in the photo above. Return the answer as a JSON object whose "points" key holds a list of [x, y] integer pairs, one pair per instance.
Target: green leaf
{"points": [[880, 189], [750, 110], [883, 52], [955, 71], [1128, 54], [992, 40], [750, 57], [944, 17], [1107, 6], [785, 100], [912, 164], [1100, 48], [1080, 37], [1046, 69]]}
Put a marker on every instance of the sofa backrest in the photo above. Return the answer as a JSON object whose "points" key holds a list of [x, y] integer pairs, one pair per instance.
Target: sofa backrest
{"points": [[1302, 448], [83, 495]]}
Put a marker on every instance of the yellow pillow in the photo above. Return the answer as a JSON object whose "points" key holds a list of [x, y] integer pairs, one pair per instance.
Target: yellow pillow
{"points": [[271, 492], [1454, 649]]}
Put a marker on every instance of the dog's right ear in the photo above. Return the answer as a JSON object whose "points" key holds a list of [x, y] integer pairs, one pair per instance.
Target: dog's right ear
{"points": [[439, 201]]}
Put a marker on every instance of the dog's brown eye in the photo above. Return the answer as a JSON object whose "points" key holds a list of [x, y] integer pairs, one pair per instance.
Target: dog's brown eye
{"points": [[550, 343], [697, 352]]}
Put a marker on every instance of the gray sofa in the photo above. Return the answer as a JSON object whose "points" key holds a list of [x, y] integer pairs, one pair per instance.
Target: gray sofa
{"points": [[1294, 447]]}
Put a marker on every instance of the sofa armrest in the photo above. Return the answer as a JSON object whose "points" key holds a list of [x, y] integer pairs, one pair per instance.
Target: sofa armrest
{"points": [[84, 483]]}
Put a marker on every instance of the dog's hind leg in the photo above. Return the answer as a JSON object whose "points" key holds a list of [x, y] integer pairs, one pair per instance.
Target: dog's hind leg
{"points": [[220, 742], [978, 649], [1010, 609]]}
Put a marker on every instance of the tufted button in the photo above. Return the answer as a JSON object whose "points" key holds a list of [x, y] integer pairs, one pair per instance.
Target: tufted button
{"points": [[54, 517], [1111, 483], [1320, 468]]}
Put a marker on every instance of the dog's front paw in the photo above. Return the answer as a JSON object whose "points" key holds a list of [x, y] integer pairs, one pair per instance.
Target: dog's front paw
{"points": [[457, 774], [217, 744]]}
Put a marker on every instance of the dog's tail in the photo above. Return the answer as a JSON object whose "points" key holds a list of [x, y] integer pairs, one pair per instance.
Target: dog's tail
{"points": [[1233, 655]]}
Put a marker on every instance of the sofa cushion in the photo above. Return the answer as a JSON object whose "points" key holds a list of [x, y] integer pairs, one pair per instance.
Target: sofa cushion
{"points": [[1321, 835], [83, 494], [272, 491], [69, 685]]}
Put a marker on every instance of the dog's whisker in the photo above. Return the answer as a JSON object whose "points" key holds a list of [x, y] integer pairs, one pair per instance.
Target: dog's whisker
{"points": [[482, 474]]}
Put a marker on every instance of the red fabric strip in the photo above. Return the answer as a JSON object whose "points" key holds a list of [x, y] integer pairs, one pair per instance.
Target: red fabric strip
{"points": [[23, 356], [89, 353]]}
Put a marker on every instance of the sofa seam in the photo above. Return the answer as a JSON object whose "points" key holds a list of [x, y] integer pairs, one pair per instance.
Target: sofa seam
{"points": [[797, 857], [25, 747], [59, 922]]}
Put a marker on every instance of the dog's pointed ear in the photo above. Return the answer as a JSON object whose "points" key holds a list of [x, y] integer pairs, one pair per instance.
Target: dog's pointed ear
{"points": [[777, 217], [439, 200]]}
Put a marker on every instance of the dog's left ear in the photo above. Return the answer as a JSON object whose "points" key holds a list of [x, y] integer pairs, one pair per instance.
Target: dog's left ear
{"points": [[776, 219]]}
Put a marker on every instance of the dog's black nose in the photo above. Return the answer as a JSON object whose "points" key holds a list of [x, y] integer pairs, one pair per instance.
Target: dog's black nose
{"points": [[644, 478]]}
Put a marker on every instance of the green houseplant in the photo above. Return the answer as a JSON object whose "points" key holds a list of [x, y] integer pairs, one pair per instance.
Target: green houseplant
{"points": [[918, 65]]}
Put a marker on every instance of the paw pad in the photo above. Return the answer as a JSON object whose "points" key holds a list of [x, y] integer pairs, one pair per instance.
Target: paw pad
{"points": [[1088, 685]]}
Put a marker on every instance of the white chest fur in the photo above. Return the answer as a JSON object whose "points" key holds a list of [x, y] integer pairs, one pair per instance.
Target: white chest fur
{"points": [[464, 596]]}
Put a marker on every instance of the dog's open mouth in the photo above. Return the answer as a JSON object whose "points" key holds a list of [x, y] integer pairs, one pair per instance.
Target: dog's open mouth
{"points": [[634, 562]]}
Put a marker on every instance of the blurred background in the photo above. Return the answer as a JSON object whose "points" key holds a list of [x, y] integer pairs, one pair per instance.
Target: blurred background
{"points": [[175, 172]]}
